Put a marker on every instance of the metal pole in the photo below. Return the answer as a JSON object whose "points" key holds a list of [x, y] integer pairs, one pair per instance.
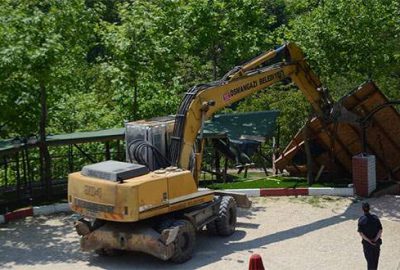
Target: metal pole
{"points": [[225, 169], [30, 174], [24, 167], [18, 174], [108, 154], [5, 171], [273, 155], [364, 137], [70, 159], [217, 164], [119, 155]]}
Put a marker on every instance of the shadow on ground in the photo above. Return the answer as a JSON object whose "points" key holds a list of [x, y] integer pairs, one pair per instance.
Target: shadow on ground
{"points": [[39, 240]]}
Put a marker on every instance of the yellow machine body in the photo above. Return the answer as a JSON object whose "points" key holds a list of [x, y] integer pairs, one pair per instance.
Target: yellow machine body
{"points": [[134, 199]]}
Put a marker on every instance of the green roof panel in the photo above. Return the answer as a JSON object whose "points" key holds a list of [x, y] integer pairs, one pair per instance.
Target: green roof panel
{"points": [[243, 125], [89, 136], [235, 126]]}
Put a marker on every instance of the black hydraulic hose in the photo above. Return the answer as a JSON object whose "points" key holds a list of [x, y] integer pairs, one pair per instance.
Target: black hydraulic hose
{"points": [[176, 138], [136, 152]]}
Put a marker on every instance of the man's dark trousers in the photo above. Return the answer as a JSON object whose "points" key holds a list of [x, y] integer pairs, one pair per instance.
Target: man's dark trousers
{"points": [[371, 254]]}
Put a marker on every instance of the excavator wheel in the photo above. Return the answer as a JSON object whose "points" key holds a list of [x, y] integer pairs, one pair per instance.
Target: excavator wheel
{"points": [[185, 241], [212, 228], [226, 221]]}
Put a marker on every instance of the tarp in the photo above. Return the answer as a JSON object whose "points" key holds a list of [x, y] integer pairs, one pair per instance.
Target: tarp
{"points": [[245, 132], [249, 125]]}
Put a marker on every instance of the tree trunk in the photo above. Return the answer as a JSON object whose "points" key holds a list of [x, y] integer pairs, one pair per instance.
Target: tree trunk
{"points": [[215, 59], [135, 98], [45, 162], [307, 135]]}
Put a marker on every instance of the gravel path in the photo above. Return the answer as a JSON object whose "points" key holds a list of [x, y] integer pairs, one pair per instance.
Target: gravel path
{"points": [[289, 233]]}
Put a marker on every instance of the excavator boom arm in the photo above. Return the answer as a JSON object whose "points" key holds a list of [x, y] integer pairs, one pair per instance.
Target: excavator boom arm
{"points": [[202, 101]]}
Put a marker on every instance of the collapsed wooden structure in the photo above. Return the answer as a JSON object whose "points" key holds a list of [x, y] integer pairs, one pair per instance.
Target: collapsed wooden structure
{"points": [[332, 146]]}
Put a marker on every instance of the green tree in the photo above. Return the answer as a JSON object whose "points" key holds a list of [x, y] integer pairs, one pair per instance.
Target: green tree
{"points": [[141, 51], [42, 50], [222, 34], [350, 41]]}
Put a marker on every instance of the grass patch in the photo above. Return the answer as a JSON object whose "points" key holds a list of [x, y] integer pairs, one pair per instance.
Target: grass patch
{"points": [[205, 177], [254, 181], [269, 182]]}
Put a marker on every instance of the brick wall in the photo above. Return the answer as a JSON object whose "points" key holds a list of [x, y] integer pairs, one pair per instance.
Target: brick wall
{"points": [[364, 174]]}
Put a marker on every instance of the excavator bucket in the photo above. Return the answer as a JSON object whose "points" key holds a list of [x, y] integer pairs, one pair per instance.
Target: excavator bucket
{"points": [[132, 237]]}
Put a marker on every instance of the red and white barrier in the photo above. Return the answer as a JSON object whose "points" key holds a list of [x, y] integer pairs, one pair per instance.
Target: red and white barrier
{"points": [[264, 192], [35, 211], [317, 191]]}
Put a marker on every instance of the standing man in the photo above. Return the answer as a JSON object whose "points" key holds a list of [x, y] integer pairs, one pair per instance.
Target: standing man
{"points": [[370, 229]]}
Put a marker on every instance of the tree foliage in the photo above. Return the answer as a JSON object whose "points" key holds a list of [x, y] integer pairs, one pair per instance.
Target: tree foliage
{"points": [[103, 62], [41, 43], [352, 40]]}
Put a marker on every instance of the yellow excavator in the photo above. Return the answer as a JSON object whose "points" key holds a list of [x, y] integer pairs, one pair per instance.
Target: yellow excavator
{"points": [[152, 203]]}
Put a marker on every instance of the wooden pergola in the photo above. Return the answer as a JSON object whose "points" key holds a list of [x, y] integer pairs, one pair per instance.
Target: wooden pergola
{"points": [[332, 146]]}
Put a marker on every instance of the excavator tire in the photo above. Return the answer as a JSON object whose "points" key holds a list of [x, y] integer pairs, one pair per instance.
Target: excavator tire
{"points": [[212, 228], [185, 241], [226, 221]]}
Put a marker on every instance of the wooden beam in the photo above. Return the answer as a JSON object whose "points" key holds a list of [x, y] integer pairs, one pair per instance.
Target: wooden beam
{"points": [[342, 146], [381, 129], [378, 157]]}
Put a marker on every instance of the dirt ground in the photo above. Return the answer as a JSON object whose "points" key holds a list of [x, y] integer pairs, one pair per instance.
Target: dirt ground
{"points": [[289, 233]]}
